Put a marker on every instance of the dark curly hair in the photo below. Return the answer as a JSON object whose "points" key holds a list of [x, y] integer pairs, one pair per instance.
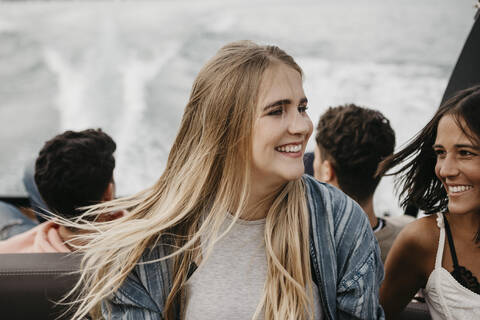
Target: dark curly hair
{"points": [[355, 139], [420, 185], [74, 169]]}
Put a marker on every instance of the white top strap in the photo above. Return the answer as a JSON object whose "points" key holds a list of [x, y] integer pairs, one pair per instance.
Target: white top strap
{"points": [[441, 240]]}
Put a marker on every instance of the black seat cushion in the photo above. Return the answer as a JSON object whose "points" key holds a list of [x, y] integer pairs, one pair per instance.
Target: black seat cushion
{"points": [[30, 284], [415, 311]]}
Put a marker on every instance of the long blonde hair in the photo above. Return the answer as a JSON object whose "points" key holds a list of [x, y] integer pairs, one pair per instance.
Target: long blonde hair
{"points": [[207, 175]]}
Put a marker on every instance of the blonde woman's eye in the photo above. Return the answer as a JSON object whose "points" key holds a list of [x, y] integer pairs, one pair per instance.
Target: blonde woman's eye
{"points": [[302, 109], [276, 112]]}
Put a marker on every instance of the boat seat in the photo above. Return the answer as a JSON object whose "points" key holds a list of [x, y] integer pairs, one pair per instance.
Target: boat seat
{"points": [[30, 284], [415, 311]]}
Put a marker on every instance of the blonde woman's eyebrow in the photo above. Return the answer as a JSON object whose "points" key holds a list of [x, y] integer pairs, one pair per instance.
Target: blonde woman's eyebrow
{"points": [[282, 102], [277, 103]]}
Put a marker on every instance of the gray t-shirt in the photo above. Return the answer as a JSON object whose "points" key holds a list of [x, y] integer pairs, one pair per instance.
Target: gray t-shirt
{"points": [[230, 283], [387, 235]]}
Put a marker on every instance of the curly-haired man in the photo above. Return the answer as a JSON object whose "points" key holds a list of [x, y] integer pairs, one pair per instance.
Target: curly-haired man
{"points": [[351, 142]]}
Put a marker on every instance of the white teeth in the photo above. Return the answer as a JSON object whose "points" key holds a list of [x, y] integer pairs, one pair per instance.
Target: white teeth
{"points": [[290, 148], [454, 189]]}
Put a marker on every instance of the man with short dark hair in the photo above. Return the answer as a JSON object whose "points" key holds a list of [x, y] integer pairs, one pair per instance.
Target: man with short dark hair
{"points": [[351, 142], [72, 170]]}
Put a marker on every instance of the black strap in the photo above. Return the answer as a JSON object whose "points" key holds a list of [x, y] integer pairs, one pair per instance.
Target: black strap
{"points": [[460, 273], [381, 223], [450, 242], [314, 274], [192, 268]]}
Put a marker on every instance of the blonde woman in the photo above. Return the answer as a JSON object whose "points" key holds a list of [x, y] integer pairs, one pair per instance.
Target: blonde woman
{"points": [[232, 230]]}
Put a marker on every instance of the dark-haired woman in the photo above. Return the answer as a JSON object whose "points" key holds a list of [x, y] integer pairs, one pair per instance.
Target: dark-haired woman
{"points": [[441, 252]]}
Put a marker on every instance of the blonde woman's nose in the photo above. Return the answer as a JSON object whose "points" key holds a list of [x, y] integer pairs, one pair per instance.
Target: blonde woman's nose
{"points": [[300, 124]]}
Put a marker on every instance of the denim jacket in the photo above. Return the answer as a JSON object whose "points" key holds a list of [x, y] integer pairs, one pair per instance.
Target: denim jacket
{"points": [[344, 255]]}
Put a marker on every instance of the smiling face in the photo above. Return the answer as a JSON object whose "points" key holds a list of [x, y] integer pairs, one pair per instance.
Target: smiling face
{"points": [[282, 128], [458, 167]]}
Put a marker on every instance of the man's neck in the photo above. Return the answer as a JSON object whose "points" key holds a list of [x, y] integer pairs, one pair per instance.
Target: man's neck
{"points": [[367, 206]]}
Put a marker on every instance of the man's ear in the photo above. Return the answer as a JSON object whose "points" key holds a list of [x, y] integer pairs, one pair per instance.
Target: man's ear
{"points": [[104, 217], [109, 193], [327, 173]]}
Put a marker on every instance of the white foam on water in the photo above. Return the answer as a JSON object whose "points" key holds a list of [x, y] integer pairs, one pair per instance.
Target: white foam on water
{"points": [[220, 22], [70, 93], [133, 135], [6, 25], [88, 81], [137, 73], [105, 86]]}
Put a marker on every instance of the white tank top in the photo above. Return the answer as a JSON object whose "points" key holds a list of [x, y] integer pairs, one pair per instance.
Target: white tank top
{"points": [[445, 297]]}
